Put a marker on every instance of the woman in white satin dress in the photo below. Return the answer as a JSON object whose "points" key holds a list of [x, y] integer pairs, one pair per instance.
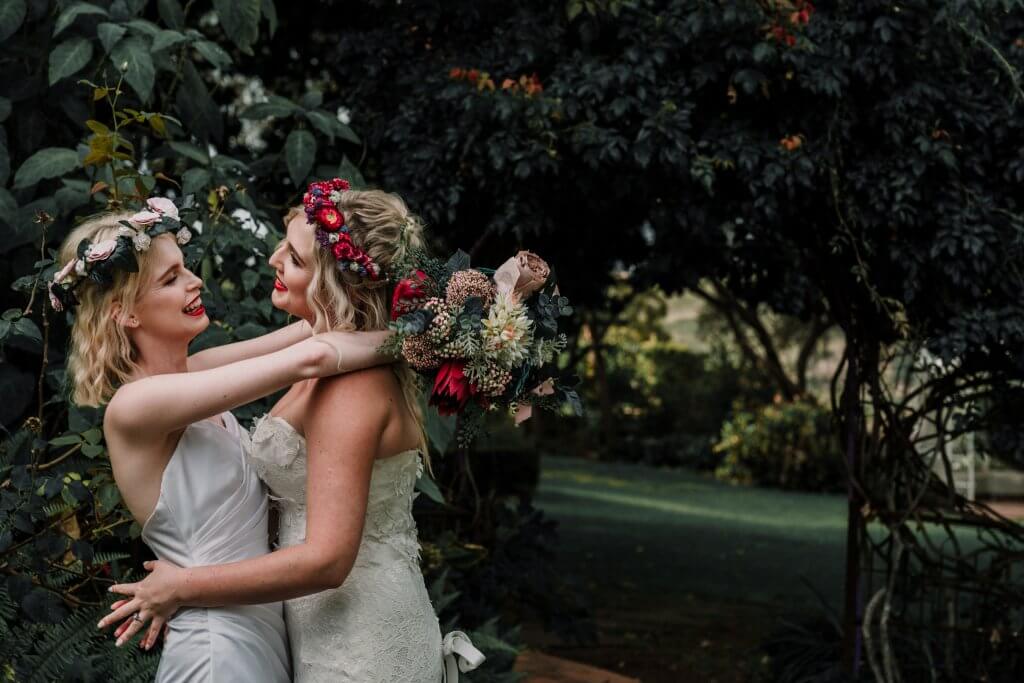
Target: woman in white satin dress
{"points": [[341, 455], [176, 452]]}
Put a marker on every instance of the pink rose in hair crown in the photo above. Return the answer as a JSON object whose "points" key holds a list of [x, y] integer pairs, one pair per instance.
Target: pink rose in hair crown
{"points": [[64, 272], [162, 206], [101, 251], [55, 303], [522, 275], [144, 219], [157, 208]]}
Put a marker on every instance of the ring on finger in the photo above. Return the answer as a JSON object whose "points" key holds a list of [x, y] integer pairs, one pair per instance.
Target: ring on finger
{"points": [[136, 617]]}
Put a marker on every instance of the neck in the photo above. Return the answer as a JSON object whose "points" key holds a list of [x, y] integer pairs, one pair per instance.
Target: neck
{"points": [[160, 357]]}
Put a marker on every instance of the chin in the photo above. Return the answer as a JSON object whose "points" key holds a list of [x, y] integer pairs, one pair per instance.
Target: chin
{"points": [[202, 322], [280, 301]]}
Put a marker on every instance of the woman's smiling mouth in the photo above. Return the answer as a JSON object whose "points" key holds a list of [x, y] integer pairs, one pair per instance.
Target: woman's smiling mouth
{"points": [[194, 308]]}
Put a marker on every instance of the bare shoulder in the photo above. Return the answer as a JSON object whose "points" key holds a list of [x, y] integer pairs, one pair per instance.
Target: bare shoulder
{"points": [[121, 414], [378, 379], [364, 392]]}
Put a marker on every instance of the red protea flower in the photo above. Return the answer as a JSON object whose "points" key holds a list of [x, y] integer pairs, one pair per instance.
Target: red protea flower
{"points": [[451, 388], [409, 294], [330, 219]]}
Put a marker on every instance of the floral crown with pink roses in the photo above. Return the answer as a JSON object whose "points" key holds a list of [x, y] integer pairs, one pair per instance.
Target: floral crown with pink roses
{"points": [[332, 234], [97, 261]]}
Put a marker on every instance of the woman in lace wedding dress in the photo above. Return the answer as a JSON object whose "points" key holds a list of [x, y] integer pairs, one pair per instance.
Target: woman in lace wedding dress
{"points": [[341, 456]]}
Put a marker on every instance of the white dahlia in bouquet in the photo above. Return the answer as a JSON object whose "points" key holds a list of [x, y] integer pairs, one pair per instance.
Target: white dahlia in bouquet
{"points": [[482, 339]]}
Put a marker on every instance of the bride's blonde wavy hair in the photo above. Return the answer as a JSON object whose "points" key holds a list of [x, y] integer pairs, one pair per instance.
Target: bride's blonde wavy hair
{"points": [[380, 224], [102, 357]]}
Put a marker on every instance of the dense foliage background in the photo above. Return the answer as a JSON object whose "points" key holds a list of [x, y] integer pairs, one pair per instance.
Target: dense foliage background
{"points": [[854, 166]]}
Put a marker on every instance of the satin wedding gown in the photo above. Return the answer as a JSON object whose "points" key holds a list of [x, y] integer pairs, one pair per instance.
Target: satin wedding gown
{"points": [[212, 509], [379, 625]]}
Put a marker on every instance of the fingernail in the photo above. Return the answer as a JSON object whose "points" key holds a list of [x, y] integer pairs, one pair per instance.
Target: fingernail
{"points": [[110, 589]]}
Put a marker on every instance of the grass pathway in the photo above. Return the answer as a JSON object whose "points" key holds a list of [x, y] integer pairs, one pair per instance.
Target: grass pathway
{"points": [[686, 573], [681, 533]]}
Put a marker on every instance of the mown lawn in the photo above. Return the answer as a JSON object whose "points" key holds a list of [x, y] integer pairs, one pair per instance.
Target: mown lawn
{"points": [[685, 574]]}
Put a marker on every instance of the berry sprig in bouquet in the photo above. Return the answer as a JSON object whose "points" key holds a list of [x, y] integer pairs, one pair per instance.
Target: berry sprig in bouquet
{"points": [[482, 339]]}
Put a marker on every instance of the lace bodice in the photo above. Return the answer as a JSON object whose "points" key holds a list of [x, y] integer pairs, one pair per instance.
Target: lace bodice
{"points": [[379, 625], [279, 455]]}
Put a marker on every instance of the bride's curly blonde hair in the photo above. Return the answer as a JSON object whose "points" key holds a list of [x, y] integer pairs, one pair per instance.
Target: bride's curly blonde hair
{"points": [[381, 224], [102, 357]]}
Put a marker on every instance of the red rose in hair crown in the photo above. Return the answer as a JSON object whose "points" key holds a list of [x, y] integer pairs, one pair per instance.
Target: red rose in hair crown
{"points": [[344, 250], [330, 219], [321, 201]]}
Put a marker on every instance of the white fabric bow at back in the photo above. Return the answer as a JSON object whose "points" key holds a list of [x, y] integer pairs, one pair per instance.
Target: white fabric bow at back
{"points": [[459, 655]]}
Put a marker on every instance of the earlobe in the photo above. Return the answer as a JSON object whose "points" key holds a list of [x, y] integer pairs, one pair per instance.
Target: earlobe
{"points": [[116, 314]]}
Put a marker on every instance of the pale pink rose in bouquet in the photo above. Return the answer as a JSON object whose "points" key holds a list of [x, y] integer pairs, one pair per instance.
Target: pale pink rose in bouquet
{"points": [[522, 275]]}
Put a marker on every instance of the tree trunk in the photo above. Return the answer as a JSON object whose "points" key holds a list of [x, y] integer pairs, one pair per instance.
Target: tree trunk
{"points": [[852, 597]]}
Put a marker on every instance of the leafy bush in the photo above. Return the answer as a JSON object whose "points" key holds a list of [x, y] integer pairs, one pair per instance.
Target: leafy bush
{"points": [[680, 399], [788, 445]]}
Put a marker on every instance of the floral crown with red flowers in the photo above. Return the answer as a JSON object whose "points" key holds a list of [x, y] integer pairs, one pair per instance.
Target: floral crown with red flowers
{"points": [[321, 201]]}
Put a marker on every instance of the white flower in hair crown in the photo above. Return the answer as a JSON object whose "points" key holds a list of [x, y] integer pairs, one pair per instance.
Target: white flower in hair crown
{"points": [[97, 261]]}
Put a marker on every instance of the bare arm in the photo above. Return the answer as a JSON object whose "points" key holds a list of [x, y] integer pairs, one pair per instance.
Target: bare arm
{"points": [[340, 462], [250, 348], [341, 454], [163, 403]]}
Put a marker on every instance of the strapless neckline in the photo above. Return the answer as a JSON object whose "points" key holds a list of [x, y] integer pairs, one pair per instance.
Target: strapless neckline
{"points": [[222, 426], [302, 437]]}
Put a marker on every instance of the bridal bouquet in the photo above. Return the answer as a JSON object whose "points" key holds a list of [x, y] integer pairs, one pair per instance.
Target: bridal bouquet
{"points": [[482, 339]]}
